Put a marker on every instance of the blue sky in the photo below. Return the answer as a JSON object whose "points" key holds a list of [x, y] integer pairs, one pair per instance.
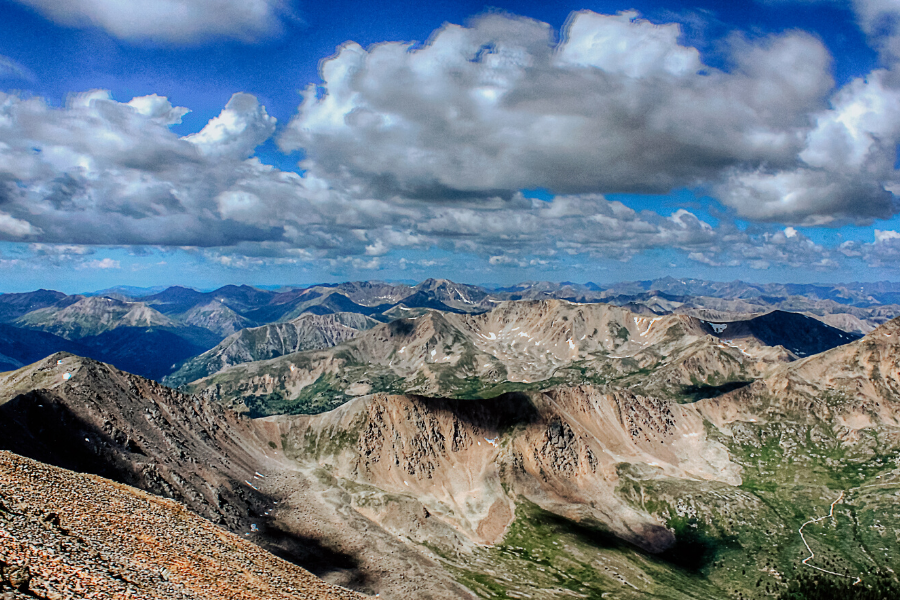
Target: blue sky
{"points": [[203, 142]]}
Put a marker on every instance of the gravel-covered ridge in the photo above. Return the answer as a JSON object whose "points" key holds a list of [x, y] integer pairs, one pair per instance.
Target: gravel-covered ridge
{"points": [[67, 535]]}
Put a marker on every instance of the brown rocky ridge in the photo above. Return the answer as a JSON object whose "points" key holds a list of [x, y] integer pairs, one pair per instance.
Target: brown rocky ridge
{"points": [[65, 535]]}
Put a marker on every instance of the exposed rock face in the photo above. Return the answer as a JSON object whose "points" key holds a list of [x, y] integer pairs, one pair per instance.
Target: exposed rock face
{"points": [[65, 535]]}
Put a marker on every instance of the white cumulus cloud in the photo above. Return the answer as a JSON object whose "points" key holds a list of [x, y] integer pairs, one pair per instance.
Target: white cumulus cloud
{"points": [[617, 105]]}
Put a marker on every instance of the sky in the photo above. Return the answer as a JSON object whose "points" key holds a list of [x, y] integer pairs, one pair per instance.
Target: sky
{"points": [[205, 142]]}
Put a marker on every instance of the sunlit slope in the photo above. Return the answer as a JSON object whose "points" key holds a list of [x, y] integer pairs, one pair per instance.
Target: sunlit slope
{"points": [[306, 332]]}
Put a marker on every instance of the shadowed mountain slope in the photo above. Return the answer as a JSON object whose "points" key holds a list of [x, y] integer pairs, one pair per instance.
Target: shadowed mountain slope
{"points": [[84, 415], [148, 352], [20, 347], [800, 334], [13, 306]]}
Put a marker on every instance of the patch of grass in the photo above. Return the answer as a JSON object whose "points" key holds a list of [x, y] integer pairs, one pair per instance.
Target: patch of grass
{"points": [[820, 586], [544, 555]]}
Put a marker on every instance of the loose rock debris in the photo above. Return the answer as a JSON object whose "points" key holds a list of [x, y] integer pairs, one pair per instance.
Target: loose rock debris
{"points": [[65, 535]]}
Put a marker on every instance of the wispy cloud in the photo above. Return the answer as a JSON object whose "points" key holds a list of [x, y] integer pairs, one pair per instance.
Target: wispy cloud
{"points": [[184, 22], [10, 69]]}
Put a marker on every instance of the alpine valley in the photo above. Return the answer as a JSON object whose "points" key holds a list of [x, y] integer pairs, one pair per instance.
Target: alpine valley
{"points": [[676, 439]]}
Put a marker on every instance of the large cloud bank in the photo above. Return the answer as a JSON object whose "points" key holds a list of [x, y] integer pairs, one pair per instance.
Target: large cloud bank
{"points": [[617, 105], [424, 147]]}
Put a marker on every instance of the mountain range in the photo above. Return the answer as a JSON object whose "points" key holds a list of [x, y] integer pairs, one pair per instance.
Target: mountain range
{"points": [[517, 346], [158, 330], [541, 448], [585, 489]]}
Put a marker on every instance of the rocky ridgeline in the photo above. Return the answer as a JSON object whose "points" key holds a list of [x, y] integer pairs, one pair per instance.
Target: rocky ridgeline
{"points": [[66, 535], [132, 430], [535, 345], [561, 449]]}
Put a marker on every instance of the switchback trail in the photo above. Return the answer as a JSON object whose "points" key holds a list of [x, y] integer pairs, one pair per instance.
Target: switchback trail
{"points": [[830, 515], [812, 554]]}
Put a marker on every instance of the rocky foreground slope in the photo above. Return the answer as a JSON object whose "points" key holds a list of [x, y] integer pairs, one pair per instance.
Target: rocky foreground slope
{"points": [[65, 535], [86, 416]]}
